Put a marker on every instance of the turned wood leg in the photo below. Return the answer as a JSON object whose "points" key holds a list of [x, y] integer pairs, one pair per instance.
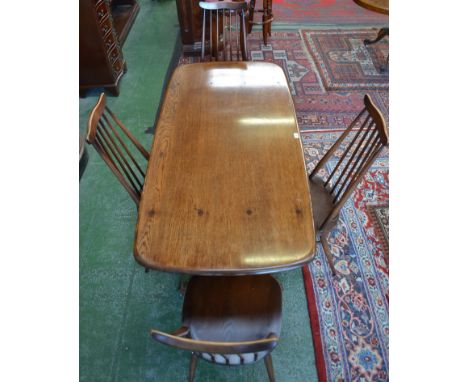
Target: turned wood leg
{"points": [[243, 39], [264, 19], [326, 249], [269, 367], [382, 33], [270, 15], [193, 367], [250, 16]]}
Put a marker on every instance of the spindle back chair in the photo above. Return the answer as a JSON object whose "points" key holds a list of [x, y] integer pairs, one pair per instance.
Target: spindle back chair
{"points": [[228, 41], [103, 135], [353, 153], [228, 321]]}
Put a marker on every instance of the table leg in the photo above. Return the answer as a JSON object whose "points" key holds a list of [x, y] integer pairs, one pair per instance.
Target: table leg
{"points": [[382, 33]]}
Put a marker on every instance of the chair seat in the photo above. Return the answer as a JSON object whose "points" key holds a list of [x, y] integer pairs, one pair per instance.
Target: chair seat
{"points": [[322, 202], [231, 309]]}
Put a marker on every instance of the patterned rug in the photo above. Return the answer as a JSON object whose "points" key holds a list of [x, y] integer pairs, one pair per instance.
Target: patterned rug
{"points": [[329, 71], [336, 12]]}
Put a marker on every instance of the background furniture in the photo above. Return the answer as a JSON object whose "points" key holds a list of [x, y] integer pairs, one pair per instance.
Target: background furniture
{"points": [[379, 6], [103, 135], [229, 321], [226, 23], [104, 26], [330, 190], [83, 155], [226, 190], [267, 18], [190, 23]]}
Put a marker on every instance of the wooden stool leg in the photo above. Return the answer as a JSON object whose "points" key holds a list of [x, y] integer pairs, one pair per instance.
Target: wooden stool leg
{"points": [[326, 249], [193, 367], [269, 367]]}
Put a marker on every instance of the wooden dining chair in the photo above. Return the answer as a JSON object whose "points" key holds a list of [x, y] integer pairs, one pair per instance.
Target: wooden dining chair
{"points": [[103, 134], [233, 320], [349, 159], [227, 33]]}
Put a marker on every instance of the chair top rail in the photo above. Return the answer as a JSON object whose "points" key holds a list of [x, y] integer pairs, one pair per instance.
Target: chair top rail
{"points": [[226, 4], [179, 340]]}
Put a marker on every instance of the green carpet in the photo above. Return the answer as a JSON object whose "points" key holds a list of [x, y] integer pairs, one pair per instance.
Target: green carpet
{"points": [[119, 302]]}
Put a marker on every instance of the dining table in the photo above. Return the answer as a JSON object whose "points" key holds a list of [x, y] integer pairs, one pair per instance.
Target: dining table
{"points": [[226, 189]]}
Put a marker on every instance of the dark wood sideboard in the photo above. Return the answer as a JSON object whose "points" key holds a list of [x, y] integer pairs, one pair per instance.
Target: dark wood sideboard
{"points": [[104, 26], [190, 22]]}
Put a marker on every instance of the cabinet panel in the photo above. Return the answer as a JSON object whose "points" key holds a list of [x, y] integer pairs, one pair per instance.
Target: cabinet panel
{"points": [[104, 25]]}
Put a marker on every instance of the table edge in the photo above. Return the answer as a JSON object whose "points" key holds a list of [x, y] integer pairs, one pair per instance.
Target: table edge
{"points": [[372, 8], [228, 271]]}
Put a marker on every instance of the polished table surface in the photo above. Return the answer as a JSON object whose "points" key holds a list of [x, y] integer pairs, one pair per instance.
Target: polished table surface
{"points": [[380, 6], [226, 188]]}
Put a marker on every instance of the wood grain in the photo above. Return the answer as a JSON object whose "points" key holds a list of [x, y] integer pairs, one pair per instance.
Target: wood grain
{"points": [[226, 190]]}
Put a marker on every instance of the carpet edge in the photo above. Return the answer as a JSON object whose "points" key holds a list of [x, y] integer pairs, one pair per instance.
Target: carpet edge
{"points": [[314, 324]]}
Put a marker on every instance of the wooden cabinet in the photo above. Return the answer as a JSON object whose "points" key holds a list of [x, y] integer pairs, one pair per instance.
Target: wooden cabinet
{"points": [[104, 26], [190, 23]]}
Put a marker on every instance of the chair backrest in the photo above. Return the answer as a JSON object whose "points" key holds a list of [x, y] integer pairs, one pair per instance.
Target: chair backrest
{"points": [[103, 135], [368, 135], [227, 33], [228, 353]]}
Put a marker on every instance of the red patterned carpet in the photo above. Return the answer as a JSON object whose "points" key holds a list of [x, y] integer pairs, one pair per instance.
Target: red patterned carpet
{"points": [[335, 12], [329, 71]]}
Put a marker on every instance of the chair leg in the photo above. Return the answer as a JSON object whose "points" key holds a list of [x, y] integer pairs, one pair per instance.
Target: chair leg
{"points": [[193, 367], [251, 16], [326, 249], [269, 367], [264, 25], [270, 15]]}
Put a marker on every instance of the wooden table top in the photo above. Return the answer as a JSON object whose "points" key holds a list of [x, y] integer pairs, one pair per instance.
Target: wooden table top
{"points": [[226, 189], [380, 6]]}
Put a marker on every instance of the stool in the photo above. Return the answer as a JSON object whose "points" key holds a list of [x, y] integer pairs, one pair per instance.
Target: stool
{"points": [[267, 18]]}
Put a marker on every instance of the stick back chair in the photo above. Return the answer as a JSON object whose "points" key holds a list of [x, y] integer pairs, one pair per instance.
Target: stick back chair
{"points": [[103, 135], [227, 33], [366, 137], [228, 321]]}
